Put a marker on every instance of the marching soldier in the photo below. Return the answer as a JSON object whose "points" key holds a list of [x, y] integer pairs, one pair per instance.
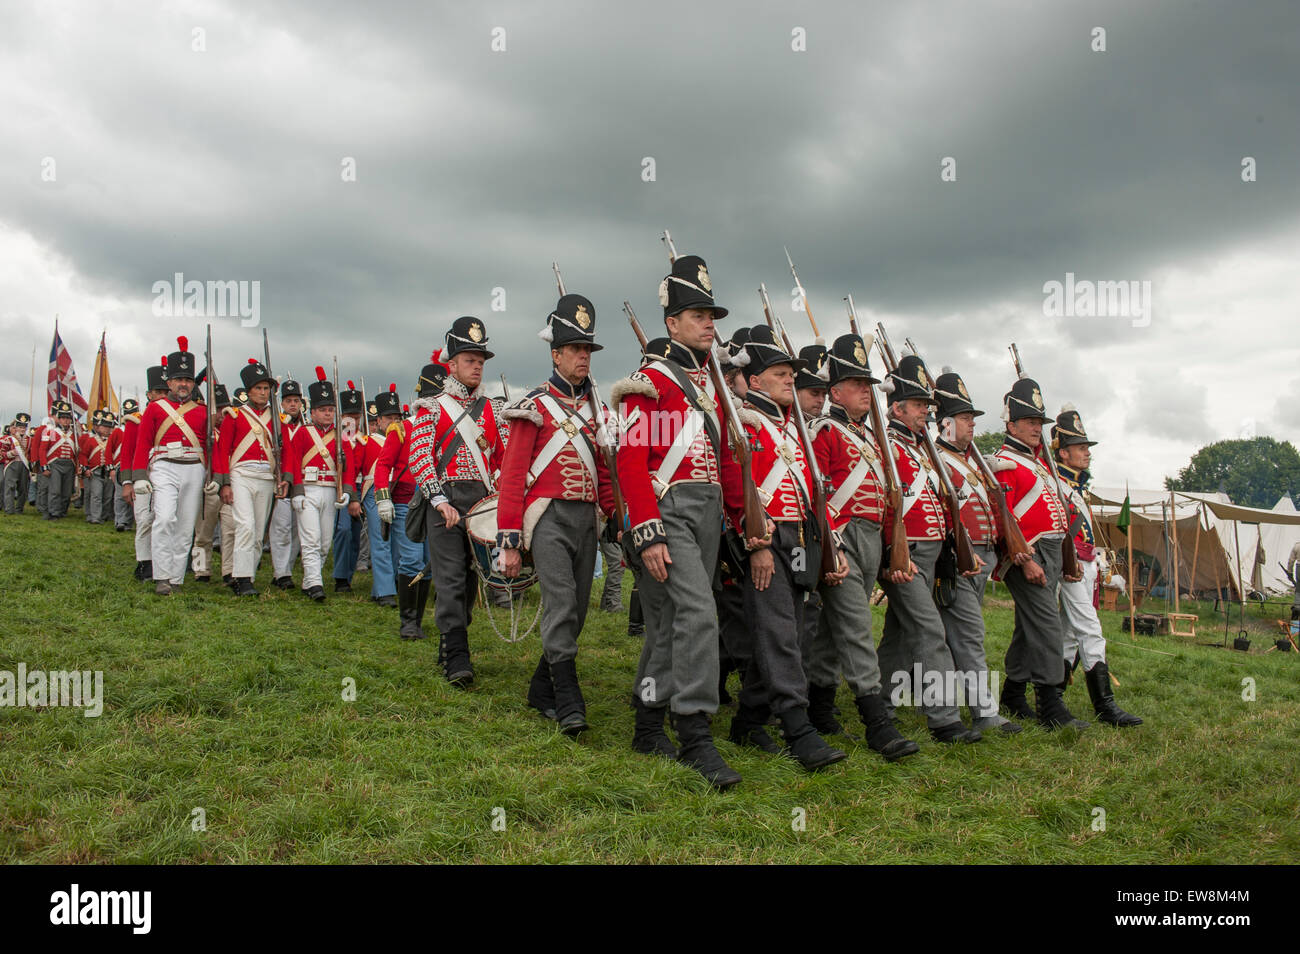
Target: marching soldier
{"points": [[456, 451], [347, 531], [676, 476], [168, 464], [962, 606], [778, 574], [849, 459], [57, 459], [92, 464], [386, 410], [554, 479], [141, 502], [312, 460], [213, 509], [1084, 642], [1037, 641], [123, 517], [284, 519], [810, 392], [242, 466], [40, 482], [395, 489], [735, 641], [913, 630], [16, 460]]}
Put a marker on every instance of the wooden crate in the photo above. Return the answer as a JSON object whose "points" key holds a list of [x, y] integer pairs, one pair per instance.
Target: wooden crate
{"points": [[1170, 621]]}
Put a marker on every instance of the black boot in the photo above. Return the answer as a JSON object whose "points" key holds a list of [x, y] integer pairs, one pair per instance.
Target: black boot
{"points": [[1103, 699], [749, 728], [244, 587], [421, 590], [455, 658], [139, 571], [808, 748], [407, 628], [955, 732], [1014, 701], [821, 709], [570, 707], [541, 691], [146, 574], [649, 737], [1052, 713], [882, 736], [699, 752]]}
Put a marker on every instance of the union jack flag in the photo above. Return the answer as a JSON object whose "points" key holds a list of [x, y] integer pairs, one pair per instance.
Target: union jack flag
{"points": [[61, 384]]}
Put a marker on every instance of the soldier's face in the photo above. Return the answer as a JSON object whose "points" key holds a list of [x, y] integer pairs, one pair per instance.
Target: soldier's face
{"points": [[912, 412], [292, 405], [388, 420], [180, 388], [260, 393], [777, 382], [1027, 430], [467, 368], [155, 395], [323, 416], [811, 401], [692, 327], [736, 381], [963, 428], [1076, 456], [854, 395], [573, 361]]}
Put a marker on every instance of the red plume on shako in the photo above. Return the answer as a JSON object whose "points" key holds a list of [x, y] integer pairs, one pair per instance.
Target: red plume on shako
{"points": [[180, 363], [320, 392]]}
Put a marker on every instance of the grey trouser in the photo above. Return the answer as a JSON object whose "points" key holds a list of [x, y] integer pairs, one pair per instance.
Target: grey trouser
{"points": [[914, 634], [123, 513], [611, 597], [1037, 641], [42, 493], [15, 487], [62, 483], [680, 655], [363, 551], [285, 545], [775, 615], [453, 577], [564, 552], [812, 618], [843, 641], [99, 491], [963, 621]]}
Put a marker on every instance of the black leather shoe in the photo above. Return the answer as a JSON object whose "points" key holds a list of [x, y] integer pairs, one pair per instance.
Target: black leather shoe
{"points": [[541, 691], [1014, 701], [203, 579], [317, 593], [1052, 712], [699, 752], [570, 707], [456, 665], [1103, 699], [649, 737], [821, 709], [808, 748], [749, 730], [342, 586], [388, 601], [282, 582], [882, 735], [955, 732], [244, 587]]}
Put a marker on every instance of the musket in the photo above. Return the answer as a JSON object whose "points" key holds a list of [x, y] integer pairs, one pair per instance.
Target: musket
{"points": [[1069, 558], [340, 458], [505, 388], [273, 404], [804, 295], [636, 325], [966, 559], [365, 411], [209, 391], [829, 557], [899, 557], [755, 519]]}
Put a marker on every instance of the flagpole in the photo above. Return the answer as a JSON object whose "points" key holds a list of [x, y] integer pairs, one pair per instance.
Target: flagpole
{"points": [[31, 388], [1132, 582]]}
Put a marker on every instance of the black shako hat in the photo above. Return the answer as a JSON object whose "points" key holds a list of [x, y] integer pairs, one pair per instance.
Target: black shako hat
{"points": [[848, 358], [466, 334], [290, 388], [351, 400], [155, 377], [1068, 429], [729, 349], [432, 377], [321, 391], [1023, 401], [386, 402], [180, 363], [220, 397], [130, 406], [909, 381], [950, 391], [814, 356], [572, 322], [688, 286], [762, 352], [22, 417], [254, 373]]}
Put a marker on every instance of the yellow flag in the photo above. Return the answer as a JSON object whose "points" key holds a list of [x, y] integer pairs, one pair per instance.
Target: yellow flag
{"points": [[101, 393]]}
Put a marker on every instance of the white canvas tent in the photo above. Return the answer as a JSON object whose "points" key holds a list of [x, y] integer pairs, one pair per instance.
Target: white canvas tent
{"points": [[1217, 542]]}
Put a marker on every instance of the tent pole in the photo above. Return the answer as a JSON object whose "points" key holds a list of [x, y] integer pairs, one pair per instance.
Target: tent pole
{"points": [[1132, 583], [1196, 552], [1241, 590], [1173, 519]]}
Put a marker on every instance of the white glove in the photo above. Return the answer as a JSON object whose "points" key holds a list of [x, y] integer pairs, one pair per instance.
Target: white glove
{"points": [[386, 513], [143, 487], [997, 463], [297, 503], [211, 488]]}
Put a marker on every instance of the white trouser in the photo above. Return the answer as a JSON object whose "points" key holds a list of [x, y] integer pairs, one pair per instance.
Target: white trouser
{"points": [[316, 531], [143, 507], [284, 538], [177, 493], [212, 511], [253, 496], [1079, 619]]}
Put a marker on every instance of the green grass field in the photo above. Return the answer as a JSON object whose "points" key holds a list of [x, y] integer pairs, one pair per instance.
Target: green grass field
{"points": [[236, 707]]}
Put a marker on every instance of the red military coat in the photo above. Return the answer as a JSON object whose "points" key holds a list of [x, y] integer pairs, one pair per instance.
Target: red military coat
{"points": [[850, 461]]}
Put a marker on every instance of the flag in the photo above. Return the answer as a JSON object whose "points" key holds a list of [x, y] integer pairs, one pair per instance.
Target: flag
{"points": [[1122, 521], [61, 383], [101, 385]]}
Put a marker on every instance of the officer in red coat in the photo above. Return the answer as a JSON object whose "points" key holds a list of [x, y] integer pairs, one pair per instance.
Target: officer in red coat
{"points": [[141, 503], [1037, 641], [555, 491], [677, 472], [16, 461], [92, 465], [778, 575], [456, 452]]}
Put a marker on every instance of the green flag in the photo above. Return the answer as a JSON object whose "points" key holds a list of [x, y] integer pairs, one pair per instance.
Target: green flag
{"points": [[1123, 521]]}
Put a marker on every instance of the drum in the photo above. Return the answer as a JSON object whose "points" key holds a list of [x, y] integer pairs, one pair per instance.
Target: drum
{"points": [[481, 528]]}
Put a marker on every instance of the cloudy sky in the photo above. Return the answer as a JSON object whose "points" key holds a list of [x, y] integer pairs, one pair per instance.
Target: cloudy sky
{"points": [[218, 140]]}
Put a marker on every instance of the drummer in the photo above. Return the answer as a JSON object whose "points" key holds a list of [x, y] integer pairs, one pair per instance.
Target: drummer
{"points": [[554, 488]]}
